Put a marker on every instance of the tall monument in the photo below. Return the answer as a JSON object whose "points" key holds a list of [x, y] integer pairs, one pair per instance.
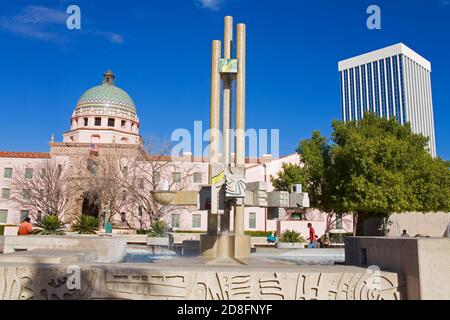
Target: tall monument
{"points": [[227, 179]]}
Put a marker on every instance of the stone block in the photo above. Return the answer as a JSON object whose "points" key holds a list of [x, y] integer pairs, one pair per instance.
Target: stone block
{"points": [[107, 249], [424, 262]]}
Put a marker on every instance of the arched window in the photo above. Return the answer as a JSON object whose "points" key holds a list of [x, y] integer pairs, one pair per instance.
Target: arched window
{"points": [[95, 138]]}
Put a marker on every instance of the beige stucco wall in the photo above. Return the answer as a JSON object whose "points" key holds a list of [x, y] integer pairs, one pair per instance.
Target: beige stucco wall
{"points": [[432, 224], [425, 262]]}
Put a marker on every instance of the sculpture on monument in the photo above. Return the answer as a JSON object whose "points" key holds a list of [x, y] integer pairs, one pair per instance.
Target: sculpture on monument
{"points": [[227, 180], [228, 191]]}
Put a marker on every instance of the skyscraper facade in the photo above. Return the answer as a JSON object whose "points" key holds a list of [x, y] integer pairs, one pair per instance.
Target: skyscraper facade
{"points": [[393, 82]]}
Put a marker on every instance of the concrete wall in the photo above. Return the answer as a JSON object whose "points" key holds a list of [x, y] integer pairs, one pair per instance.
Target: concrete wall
{"points": [[108, 249], [433, 224], [195, 281], [425, 262]]}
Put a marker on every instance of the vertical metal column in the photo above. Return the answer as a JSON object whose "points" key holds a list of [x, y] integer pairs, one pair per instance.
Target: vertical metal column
{"points": [[226, 117], [240, 119], [214, 134]]}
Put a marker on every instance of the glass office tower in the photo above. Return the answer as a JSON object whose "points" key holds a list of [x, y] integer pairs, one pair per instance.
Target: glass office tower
{"points": [[393, 82]]}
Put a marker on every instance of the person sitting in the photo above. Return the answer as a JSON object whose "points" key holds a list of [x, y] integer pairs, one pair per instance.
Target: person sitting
{"points": [[404, 234], [324, 241], [272, 238], [25, 227]]}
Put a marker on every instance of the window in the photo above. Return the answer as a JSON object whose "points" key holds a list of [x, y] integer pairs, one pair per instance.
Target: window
{"points": [[141, 184], [6, 194], [156, 178], [175, 220], [252, 220], [197, 177], [59, 169], [125, 172], [124, 195], [296, 216], [352, 94], [196, 221], [24, 214], [123, 123], [26, 194], [176, 176], [3, 216], [123, 216], [86, 122], [8, 173], [111, 122], [98, 122], [28, 173]]}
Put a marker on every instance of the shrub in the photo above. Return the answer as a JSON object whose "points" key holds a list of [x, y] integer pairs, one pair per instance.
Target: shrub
{"points": [[158, 229], [258, 233], [49, 225], [292, 236], [86, 225]]}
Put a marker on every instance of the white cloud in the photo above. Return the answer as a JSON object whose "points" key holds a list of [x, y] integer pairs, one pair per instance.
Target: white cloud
{"points": [[110, 36], [209, 4], [35, 22], [47, 24]]}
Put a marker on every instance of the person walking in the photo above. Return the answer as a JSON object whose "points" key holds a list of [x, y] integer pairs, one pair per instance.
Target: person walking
{"points": [[312, 237], [25, 227]]}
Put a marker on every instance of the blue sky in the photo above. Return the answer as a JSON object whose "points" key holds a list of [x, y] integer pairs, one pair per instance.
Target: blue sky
{"points": [[160, 53]]}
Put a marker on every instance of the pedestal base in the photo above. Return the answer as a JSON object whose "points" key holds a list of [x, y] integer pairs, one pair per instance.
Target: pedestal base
{"points": [[223, 247]]}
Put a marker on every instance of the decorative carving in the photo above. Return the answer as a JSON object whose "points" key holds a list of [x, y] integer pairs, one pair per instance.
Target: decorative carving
{"points": [[28, 283], [241, 286], [50, 282]]}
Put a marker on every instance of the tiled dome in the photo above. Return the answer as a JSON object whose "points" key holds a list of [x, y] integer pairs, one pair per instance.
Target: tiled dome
{"points": [[107, 95]]}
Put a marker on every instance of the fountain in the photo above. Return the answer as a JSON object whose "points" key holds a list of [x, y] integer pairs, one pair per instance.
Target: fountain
{"points": [[224, 269]]}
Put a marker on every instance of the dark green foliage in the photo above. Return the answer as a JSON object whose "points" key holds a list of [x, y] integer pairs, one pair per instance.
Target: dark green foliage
{"points": [[49, 225], [158, 229], [258, 233], [86, 225], [373, 168], [292, 236]]}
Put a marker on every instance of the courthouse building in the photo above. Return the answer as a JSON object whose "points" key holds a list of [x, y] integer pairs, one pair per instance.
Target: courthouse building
{"points": [[105, 121]]}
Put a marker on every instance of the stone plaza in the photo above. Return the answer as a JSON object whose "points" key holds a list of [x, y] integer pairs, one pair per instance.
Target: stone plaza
{"points": [[219, 198]]}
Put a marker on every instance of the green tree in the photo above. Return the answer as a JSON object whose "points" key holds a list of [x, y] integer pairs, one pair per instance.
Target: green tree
{"points": [[316, 159], [289, 175], [372, 168]]}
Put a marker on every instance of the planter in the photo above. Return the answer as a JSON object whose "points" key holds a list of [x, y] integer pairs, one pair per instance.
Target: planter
{"points": [[158, 241], [288, 245], [164, 197], [10, 231]]}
